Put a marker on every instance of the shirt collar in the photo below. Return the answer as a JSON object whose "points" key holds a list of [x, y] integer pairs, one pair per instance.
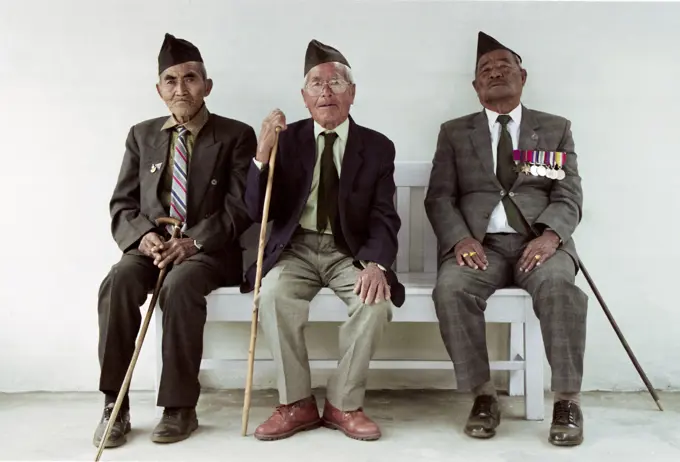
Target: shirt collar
{"points": [[515, 114], [194, 125], [342, 130]]}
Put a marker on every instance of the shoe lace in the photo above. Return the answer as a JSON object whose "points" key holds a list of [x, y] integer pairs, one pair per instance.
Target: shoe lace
{"points": [[281, 410], [171, 413], [563, 414], [352, 414], [108, 411]]}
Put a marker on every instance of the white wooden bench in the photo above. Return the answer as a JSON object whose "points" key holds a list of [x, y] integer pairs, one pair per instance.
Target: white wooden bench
{"points": [[418, 274]]}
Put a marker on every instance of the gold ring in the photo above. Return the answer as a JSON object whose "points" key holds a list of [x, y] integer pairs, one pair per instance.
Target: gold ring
{"points": [[537, 257], [473, 253], [465, 254]]}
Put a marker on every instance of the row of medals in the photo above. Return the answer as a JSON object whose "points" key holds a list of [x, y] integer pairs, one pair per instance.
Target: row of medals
{"points": [[541, 170]]}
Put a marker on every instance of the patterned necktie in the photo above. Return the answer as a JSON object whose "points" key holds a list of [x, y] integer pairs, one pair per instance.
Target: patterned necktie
{"points": [[507, 175], [178, 199], [327, 201]]}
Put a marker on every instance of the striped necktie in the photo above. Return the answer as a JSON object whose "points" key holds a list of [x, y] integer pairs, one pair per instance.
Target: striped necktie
{"points": [[178, 200]]}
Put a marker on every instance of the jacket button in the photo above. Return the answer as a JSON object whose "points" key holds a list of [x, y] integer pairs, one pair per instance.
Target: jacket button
{"points": [[511, 194], [280, 246], [206, 215], [213, 182], [502, 193]]}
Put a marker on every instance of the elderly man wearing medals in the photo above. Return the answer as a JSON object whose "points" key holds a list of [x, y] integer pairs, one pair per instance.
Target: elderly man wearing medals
{"points": [[504, 199]]}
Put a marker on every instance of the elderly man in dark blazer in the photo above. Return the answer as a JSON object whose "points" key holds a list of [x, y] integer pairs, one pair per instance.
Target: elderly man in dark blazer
{"points": [[192, 166], [504, 200], [335, 225]]}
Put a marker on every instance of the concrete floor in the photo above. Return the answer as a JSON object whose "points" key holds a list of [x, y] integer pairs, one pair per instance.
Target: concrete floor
{"points": [[417, 426]]}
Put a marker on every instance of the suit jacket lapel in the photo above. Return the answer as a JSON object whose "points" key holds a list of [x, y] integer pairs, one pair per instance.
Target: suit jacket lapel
{"points": [[351, 161], [305, 156], [481, 141], [202, 165], [157, 156], [528, 138]]}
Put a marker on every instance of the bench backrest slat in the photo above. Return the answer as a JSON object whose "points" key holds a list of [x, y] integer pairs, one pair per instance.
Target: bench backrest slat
{"points": [[417, 242]]}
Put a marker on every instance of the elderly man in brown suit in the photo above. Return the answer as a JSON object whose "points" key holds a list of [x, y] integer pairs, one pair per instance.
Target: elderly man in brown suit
{"points": [[191, 166], [504, 200]]}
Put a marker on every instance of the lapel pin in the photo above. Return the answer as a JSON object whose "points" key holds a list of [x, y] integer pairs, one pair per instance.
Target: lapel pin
{"points": [[155, 167]]}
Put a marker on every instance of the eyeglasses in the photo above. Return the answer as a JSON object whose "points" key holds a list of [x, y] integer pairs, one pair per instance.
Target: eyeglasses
{"points": [[337, 86]]}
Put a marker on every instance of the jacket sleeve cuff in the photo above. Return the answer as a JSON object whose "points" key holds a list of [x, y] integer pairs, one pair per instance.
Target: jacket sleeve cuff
{"points": [[365, 264]]}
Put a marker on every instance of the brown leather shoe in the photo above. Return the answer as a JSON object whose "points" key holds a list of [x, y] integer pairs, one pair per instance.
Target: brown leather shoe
{"points": [[567, 424], [354, 424], [288, 419], [484, 417]]}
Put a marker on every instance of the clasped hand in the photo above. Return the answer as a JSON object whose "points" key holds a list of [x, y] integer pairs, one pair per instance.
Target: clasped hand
{"points": [[165, 252]]}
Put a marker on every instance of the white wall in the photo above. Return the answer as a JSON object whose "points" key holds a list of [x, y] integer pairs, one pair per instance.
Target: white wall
{"points": [[74, 75]]}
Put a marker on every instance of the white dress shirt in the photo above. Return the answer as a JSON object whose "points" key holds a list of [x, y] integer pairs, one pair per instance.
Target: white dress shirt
{"points": [[498, 222]]}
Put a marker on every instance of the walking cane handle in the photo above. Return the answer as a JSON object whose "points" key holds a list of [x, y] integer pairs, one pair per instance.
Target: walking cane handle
{"points": [[169, 221]]}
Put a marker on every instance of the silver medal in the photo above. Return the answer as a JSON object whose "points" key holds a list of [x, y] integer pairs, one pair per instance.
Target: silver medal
{"points": [[541, 170], [561, 174]]}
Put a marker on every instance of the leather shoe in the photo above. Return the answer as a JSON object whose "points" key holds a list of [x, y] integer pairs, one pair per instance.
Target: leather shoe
{"points": [[177, 424], [120, 427], [288, 419], [354, 424], [484, 417], [567, 424]]}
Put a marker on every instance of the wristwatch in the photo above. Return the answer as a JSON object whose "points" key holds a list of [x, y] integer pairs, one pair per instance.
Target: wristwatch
{"points": [[197, 245]]}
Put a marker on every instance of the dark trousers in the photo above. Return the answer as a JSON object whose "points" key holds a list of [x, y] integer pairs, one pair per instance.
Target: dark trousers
{"points": [[182, 301], [460, 297]]}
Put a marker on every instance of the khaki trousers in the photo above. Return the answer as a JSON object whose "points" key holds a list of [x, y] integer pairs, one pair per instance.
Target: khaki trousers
{"points": [[311, 262]]}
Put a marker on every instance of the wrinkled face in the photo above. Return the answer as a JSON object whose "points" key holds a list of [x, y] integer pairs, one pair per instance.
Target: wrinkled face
{"points": [[499, 77], [183, 89], [328, 95]]}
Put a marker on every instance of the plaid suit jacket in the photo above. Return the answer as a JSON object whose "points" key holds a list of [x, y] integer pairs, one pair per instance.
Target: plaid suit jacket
{"points": [[463, 188]]}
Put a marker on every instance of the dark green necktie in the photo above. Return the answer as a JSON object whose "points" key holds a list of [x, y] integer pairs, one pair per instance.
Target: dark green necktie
{"points": [[327, 202], [507, 175]]}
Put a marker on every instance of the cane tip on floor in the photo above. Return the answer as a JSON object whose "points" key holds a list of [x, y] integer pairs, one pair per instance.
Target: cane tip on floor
{"points": [[659, 405]]}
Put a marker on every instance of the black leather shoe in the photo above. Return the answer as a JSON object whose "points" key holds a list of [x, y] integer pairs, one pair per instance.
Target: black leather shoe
{"points": [[177, 424], [567, 424], [120, 428], [484, 417]]}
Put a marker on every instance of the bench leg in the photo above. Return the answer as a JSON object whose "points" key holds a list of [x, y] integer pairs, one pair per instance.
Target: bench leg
{"points": [[158, 315], [534, 392], [516, 349]]}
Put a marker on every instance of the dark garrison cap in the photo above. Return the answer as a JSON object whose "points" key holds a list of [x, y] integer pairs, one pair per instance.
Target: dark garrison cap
{"points": [[318, 53], [486, 44], [176, 51]]}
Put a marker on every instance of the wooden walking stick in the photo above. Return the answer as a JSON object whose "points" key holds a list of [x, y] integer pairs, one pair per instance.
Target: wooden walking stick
{"points": [[607, 313], [177, 225], [258, 280], [619, 334]]}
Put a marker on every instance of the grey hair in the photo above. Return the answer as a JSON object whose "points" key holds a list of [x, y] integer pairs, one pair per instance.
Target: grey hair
{"points": [[204, 72], [342, 68]]}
